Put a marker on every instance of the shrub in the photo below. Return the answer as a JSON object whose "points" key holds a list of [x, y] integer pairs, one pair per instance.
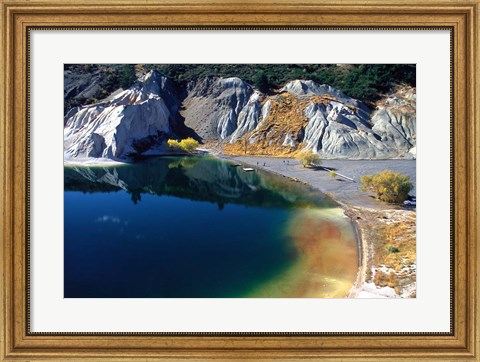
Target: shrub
{"points": [[308, 158], [332, 173], [392, 249], [189, 145], [383, 279], [388, 186], [173, 144], [186, 145]]}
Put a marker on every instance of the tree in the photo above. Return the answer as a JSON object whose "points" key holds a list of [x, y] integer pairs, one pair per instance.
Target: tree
{"points": [[186, 145], [309, 158], [127, 76], [261, 82], [173, 144], [388, 186]]}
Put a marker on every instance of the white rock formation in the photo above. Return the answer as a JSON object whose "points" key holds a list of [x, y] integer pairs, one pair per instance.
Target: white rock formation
{"points": [[344, 128], [213, 106], [301, 88], [132, 121], [139, 119], [395, 121], [335, 130], [248, 117]]}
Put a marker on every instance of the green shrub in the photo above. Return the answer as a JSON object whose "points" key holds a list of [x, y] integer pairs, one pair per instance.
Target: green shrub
{"points": [[332, 173], [392, 249], [388, 186]]}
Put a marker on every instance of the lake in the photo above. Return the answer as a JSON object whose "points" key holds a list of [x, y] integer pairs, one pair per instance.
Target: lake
{"points": [[199, 227]]}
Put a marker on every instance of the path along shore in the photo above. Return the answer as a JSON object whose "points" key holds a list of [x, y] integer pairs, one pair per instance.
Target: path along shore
{"points": [[387, 232]]}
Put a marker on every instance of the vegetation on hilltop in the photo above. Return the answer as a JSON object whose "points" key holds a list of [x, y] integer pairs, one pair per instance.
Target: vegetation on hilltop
{"points": [[362, 81]]}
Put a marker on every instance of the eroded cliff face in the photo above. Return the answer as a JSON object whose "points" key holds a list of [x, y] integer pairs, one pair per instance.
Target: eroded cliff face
{"points": [[302, 115], [213, 106], [306, 115], [129, 121], [395, 119]]}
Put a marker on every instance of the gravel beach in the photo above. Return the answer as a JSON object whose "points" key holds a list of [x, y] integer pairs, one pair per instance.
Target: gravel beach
{"points": [[342, 190]]}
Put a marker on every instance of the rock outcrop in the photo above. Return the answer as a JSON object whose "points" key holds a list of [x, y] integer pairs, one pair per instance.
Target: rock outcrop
{"points": [[302, 115], [395, 120], [129, 122], [306, 115], [213, 106]]}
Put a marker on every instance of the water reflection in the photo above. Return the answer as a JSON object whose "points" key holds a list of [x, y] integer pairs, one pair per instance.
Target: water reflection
{"points": [[195, 178], [199, 227]]}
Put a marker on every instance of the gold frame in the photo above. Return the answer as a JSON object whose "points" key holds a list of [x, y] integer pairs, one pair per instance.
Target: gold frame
{"points": [[461, 17]]}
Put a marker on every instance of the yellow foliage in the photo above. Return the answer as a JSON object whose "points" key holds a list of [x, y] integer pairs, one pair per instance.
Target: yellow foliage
{"points": [[389, 186], [173, 144], [308, 158], [186, 145]]}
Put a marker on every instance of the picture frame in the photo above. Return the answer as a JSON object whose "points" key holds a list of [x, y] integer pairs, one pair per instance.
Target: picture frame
{"points": [[19, 343]]}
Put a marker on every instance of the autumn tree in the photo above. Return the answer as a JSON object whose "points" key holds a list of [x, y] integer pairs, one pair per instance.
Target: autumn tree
{"points": [[309, 158], [186, 145], [388, 186]]}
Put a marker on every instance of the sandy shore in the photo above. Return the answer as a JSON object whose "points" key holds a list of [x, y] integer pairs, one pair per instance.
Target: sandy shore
{"points": [[379, 225]]}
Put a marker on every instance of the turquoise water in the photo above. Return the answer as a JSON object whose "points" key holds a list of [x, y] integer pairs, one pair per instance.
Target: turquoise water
{"points": [[198, 227]]}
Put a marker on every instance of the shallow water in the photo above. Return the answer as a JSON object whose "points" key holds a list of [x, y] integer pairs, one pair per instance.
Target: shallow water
{"points": [[200, 227]]}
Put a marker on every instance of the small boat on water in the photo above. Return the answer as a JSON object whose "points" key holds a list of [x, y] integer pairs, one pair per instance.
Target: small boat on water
{"points": [[248, 169]]}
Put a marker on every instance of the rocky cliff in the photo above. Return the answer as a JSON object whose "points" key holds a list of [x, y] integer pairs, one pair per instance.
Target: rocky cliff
{"points": [[128, 122], [242, 120], [213, 106], [306, 115]]}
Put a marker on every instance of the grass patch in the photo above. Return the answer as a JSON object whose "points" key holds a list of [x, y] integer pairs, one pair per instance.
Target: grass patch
{"points": [[395, 246]]}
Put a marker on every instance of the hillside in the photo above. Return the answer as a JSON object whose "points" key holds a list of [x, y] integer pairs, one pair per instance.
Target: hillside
{"points": [[87, 83], [231, 113]]}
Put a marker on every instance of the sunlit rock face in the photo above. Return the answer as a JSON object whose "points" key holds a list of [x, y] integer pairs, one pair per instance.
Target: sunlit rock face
{"points": [[131, 121], [306, 115], [248, 117], [336, 129], [346, 129], [303, 115], [395, 120], [213, 107]]}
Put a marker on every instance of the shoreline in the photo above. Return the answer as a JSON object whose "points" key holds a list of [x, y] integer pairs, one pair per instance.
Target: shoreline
{"points": [[375, 223], [368, 217]]}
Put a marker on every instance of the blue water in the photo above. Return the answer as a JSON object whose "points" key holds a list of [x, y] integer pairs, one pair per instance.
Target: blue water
{"points": [[177, 227]]}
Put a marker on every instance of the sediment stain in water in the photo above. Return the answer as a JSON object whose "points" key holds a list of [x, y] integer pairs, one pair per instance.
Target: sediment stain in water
{"points": [[200, 227], [326, 257]]}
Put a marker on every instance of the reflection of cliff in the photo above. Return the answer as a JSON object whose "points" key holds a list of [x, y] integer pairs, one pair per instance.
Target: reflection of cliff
{"points": [[202, 179]]}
